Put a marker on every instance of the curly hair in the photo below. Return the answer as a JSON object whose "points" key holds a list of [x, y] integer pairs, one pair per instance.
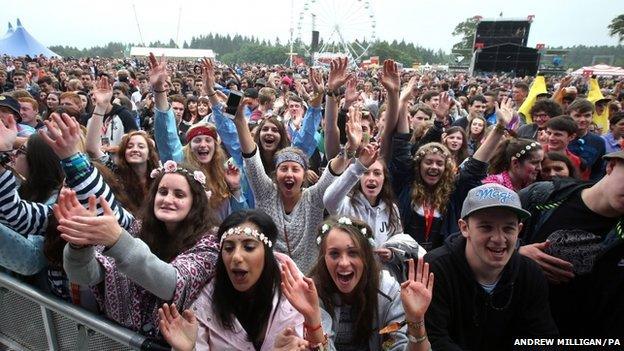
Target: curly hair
{"points": [[134, 187], [364, 306], [437, 196]]}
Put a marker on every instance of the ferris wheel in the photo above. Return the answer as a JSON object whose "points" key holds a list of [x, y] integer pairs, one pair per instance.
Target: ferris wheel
{"points": [[346, 28]]}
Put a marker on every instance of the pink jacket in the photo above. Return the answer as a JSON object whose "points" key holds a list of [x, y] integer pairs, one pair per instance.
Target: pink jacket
{"points": [[212, 336]]}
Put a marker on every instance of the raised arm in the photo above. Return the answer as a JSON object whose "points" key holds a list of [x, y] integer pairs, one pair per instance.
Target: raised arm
{"points": [[406, 95], [165, 127], [391, 80], [504, 114], [337, 78], [102, 95], [248, 145], [304, 138]]}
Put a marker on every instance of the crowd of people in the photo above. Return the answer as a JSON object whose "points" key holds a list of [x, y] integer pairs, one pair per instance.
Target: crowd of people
{"points": [[330, 207]]}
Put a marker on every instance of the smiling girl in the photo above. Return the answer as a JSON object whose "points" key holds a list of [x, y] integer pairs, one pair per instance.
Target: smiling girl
{"points": [[295, 209]]}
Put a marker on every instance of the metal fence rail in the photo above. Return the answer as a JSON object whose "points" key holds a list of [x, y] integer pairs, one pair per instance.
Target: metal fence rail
{"points": [[32, 321]]}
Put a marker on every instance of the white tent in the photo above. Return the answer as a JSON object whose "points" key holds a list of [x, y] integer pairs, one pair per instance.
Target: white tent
{"points": [[600, 70], [168, 52], [19, 42]]}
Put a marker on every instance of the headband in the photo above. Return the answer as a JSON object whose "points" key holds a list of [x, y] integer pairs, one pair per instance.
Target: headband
{"points": [[248, 232], [172, 167], [345, 221], [526, 150], [292, 156], [201, 130], [433, 150]]}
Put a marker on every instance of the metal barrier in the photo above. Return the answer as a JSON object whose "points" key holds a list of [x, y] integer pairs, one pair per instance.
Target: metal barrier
{"points": [[32, 321]]}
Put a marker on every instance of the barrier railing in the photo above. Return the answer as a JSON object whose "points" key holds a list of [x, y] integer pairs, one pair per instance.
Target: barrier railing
{"points": [[32, 320]]}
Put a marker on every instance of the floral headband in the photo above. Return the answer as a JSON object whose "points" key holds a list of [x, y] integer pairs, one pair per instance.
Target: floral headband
{"points": [[434, 150], [526, 150], [345, 221], [248, 232], [172, 167]]}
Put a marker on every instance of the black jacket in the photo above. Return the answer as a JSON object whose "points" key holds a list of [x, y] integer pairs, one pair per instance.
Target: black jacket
{"points": [[463, 316], [595, 298]]}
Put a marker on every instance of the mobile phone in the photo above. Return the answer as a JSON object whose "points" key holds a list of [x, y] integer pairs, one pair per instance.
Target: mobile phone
{"points": [[234, 99], [105, 141]]}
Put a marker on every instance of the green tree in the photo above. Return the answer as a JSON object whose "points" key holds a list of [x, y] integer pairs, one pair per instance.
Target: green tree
{"points": [[466, 30], [616, 28]]}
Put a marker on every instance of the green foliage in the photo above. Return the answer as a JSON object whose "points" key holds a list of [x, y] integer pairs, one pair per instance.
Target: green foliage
{"points": [[616, 28], [581, 55], [466, 30]]}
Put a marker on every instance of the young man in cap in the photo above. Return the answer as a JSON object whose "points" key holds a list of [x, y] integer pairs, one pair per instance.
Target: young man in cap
{"points": [[486, 294], [11, 107], [576, 235]]}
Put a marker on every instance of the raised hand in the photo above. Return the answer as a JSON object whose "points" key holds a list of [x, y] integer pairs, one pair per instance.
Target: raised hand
{"points": [[369, 154], [179, 330], [389, 77], [316, 79], [504, 112], [232, 177], [158, 71], [63, 135], [351, 93], [443, 107], [8, 133], [208, 75], [240, 111], [102, 92], [354, 127], [300, 292], [338, 73], [288, 340], [311, 177], [91, 229], [416, 291], [67, 206], [565, 82]]}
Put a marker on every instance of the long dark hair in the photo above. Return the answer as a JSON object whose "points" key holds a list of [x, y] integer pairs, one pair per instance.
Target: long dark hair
{"points": [[364, 307], [461, 154], [386, 195], [198, 221], [254, 313], [46, 173], [269, 167], [507, 149], [134, 187]]}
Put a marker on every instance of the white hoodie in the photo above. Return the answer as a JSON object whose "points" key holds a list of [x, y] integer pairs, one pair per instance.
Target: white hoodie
{"points": [[338, 202]]}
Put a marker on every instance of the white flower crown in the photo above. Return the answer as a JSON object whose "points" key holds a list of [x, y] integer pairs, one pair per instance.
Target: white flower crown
{"points": [[525, 150], [344, 221], [248, 232], [172, 167]]}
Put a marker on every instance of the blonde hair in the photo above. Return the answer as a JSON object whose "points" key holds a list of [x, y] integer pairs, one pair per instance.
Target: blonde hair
{"points": [[437, 197]]}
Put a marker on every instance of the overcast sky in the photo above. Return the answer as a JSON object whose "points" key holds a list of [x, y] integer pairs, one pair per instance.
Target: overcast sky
{"points": [[428, 23]]}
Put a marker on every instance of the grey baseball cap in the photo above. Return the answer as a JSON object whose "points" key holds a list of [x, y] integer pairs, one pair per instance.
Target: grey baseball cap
{"points": [[493, 196]]}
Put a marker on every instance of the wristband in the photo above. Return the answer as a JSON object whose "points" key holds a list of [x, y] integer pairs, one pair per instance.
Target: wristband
{"points": [[415, 325], [159, 91], [416, 340], [311, 329], [213, 94]]}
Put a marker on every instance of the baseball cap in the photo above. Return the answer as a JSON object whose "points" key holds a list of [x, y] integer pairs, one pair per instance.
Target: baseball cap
{"points": [[493, 195], [12, 104], [615, 154], [251, 92], [261, 81]]}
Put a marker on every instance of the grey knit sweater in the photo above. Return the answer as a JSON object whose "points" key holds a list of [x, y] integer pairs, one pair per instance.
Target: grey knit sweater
{"points": [[299, 241]]}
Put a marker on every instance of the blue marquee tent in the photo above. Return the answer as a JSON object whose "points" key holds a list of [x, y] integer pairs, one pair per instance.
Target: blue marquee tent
{"points": [[19, 42]]}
